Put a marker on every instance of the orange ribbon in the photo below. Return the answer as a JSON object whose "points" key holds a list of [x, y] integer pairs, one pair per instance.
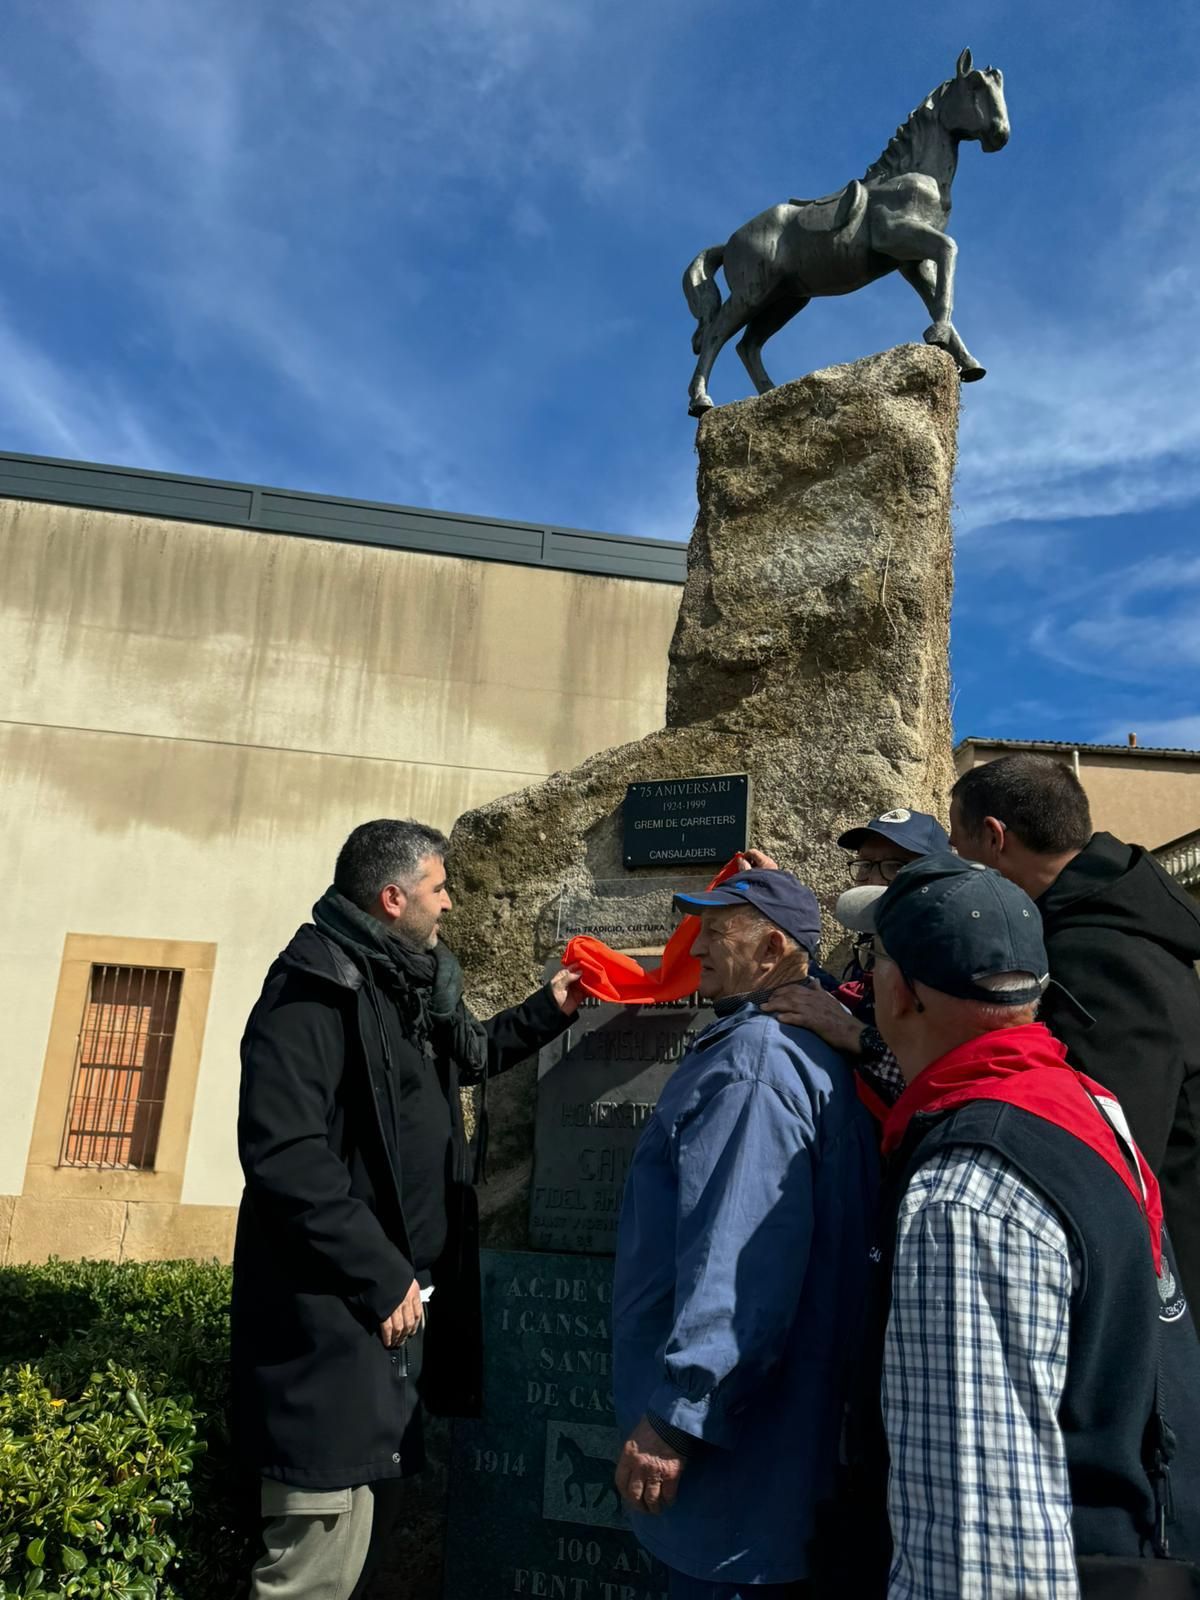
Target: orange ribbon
{"points": [[606, 974]]}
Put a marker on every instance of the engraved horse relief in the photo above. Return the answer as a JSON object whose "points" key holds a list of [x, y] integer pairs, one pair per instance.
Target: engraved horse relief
{"points": [[893, 219], [580, 1463]]}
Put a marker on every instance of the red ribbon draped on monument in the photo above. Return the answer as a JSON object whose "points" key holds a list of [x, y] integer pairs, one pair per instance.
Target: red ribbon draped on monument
{"points": [[608, 975]]}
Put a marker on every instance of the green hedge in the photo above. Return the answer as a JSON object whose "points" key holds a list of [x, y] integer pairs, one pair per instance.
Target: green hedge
{"points": [[116, 1475]]}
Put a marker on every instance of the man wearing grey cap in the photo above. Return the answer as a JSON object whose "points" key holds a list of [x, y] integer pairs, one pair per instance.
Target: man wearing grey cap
{"points": [[742, 1260], [1039, 1432]]}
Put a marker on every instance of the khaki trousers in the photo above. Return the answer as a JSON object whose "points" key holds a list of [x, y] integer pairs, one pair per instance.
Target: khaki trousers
{"points": [[315, 1542]]}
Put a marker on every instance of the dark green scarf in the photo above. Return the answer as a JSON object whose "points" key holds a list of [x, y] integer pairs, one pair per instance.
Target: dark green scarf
{"points": [[427, 985]]}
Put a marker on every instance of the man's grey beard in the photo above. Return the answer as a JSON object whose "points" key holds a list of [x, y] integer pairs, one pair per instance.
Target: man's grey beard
{"points": [[417, 946]]}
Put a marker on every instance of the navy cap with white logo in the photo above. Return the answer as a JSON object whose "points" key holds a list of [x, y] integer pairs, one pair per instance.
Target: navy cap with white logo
{"points": [[779, 896], [948, 923], [911, 830]]}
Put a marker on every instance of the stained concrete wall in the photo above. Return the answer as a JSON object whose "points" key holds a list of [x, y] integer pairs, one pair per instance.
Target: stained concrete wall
{"points": [[191, 720], [1141, 797]]}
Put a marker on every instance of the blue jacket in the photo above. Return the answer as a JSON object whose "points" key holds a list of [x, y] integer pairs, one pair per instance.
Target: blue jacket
{"points": [[742, 1260]]}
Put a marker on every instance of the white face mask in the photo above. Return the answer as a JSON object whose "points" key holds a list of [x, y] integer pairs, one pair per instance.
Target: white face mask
{"points": [[855, 908]]}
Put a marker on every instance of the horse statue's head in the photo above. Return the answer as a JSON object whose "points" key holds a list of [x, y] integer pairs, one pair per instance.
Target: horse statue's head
{"points": [[972, 105]]}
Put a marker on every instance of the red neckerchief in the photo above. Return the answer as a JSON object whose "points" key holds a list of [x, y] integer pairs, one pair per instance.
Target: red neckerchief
{"points": [[1027, 1067]]}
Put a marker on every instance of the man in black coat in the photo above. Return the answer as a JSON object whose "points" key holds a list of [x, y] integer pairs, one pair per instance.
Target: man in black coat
{"points": [[355, 1273], [1122, 938]]}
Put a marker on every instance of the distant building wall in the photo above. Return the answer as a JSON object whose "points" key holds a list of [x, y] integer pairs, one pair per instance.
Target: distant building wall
{"points": [[1142, 795], [192, 718]]}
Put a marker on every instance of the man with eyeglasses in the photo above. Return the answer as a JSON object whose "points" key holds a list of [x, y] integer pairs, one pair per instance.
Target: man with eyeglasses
{"points": [[889, 842], [845, 1017]]}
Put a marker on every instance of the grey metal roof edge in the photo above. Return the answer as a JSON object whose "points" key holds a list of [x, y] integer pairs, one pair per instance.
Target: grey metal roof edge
{"points": [[1168, 752], [139, 491]]}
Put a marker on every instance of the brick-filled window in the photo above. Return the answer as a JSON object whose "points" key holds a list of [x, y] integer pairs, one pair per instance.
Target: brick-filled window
{"points": [[122, 1059]]}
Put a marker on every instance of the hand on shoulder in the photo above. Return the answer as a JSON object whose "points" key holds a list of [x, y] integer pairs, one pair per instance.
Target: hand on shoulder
{"points": [[807, 1005]]}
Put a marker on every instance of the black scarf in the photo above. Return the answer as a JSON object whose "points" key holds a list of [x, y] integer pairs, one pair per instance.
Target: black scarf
{"points": [[425, 984]]}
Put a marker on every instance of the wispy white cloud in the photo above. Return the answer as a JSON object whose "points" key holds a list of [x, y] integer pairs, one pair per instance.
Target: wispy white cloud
{"points": [[79, 413], [317, 198], [295, 196], [1097, 413], [1140, 625]]}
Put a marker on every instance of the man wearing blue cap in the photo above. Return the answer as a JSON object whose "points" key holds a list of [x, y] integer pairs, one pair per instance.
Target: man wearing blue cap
{"points": [[741, 1267], [889, 842], [1036, 1361]]}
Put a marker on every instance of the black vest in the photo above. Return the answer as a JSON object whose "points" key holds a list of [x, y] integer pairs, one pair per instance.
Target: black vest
{"points": [[1130, 1410]]}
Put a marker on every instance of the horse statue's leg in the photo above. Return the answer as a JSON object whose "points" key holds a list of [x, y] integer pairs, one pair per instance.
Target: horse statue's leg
{"points": [[903, 219], [923, 277], [758, 330], [732, 316]]}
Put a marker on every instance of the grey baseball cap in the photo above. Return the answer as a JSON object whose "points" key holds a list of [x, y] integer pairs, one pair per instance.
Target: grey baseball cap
{"points": [[948, 923]]}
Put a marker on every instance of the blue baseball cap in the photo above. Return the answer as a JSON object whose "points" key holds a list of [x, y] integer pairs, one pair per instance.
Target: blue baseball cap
{"points": [[779, 896], [948, 923], [911, 830]]}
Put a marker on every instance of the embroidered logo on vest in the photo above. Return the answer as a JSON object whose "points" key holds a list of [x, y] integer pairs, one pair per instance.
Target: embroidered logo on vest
{"points": [[1173, 1303]]}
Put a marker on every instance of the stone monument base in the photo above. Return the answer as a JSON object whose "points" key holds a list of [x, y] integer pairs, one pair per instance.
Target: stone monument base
{"points": [[811, 652]]}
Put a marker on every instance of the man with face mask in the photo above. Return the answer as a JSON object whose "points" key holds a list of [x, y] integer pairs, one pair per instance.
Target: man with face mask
{"points": [[741, 1263], [359, 1210]]}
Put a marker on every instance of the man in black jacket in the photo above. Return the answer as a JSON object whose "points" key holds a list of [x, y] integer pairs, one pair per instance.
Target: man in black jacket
{"points": [[359, 1213], [1122, 939]]}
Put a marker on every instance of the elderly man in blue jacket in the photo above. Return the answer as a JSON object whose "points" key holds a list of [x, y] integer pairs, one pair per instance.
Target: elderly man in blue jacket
{"points": [[741, 1268]]}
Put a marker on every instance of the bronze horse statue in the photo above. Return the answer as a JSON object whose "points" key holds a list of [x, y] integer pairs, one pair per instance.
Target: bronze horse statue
{"points": [[892, 219]]}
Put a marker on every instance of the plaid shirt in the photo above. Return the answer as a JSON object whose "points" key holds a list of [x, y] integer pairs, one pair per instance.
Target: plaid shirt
{"points": [[884, 1076], [975, 1360]]}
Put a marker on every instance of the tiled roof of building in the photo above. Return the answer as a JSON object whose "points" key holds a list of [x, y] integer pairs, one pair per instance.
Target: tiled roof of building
{"points": [[1067, 746]]}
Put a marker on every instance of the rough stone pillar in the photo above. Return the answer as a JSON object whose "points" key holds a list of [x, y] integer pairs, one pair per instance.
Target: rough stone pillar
{"points": [[811, 651]]}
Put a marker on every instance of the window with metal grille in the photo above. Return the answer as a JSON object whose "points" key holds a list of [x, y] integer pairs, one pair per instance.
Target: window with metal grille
{"points": [[121, 1063]]}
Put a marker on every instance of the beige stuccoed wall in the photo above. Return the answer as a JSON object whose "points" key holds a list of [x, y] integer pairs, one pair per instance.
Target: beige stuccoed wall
{"points": [[1144, 801], [191, 720], [1139, 797]]}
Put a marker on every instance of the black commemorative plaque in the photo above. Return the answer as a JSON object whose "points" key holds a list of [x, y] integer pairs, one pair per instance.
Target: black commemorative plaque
{"points": [[686, 821], [532, 1507], [598, 1084]]}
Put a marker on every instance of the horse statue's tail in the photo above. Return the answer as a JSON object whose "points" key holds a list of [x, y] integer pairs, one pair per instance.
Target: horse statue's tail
{"points": [[703, 296]]}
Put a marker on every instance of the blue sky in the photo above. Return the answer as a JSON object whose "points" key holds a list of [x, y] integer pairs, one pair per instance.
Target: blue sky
{"points": [[431, 252]]}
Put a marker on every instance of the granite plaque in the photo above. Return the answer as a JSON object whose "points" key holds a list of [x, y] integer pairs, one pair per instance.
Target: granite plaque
{"points": [[532, 1507], [598, 1084], [683, 821], [626, 913]]}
